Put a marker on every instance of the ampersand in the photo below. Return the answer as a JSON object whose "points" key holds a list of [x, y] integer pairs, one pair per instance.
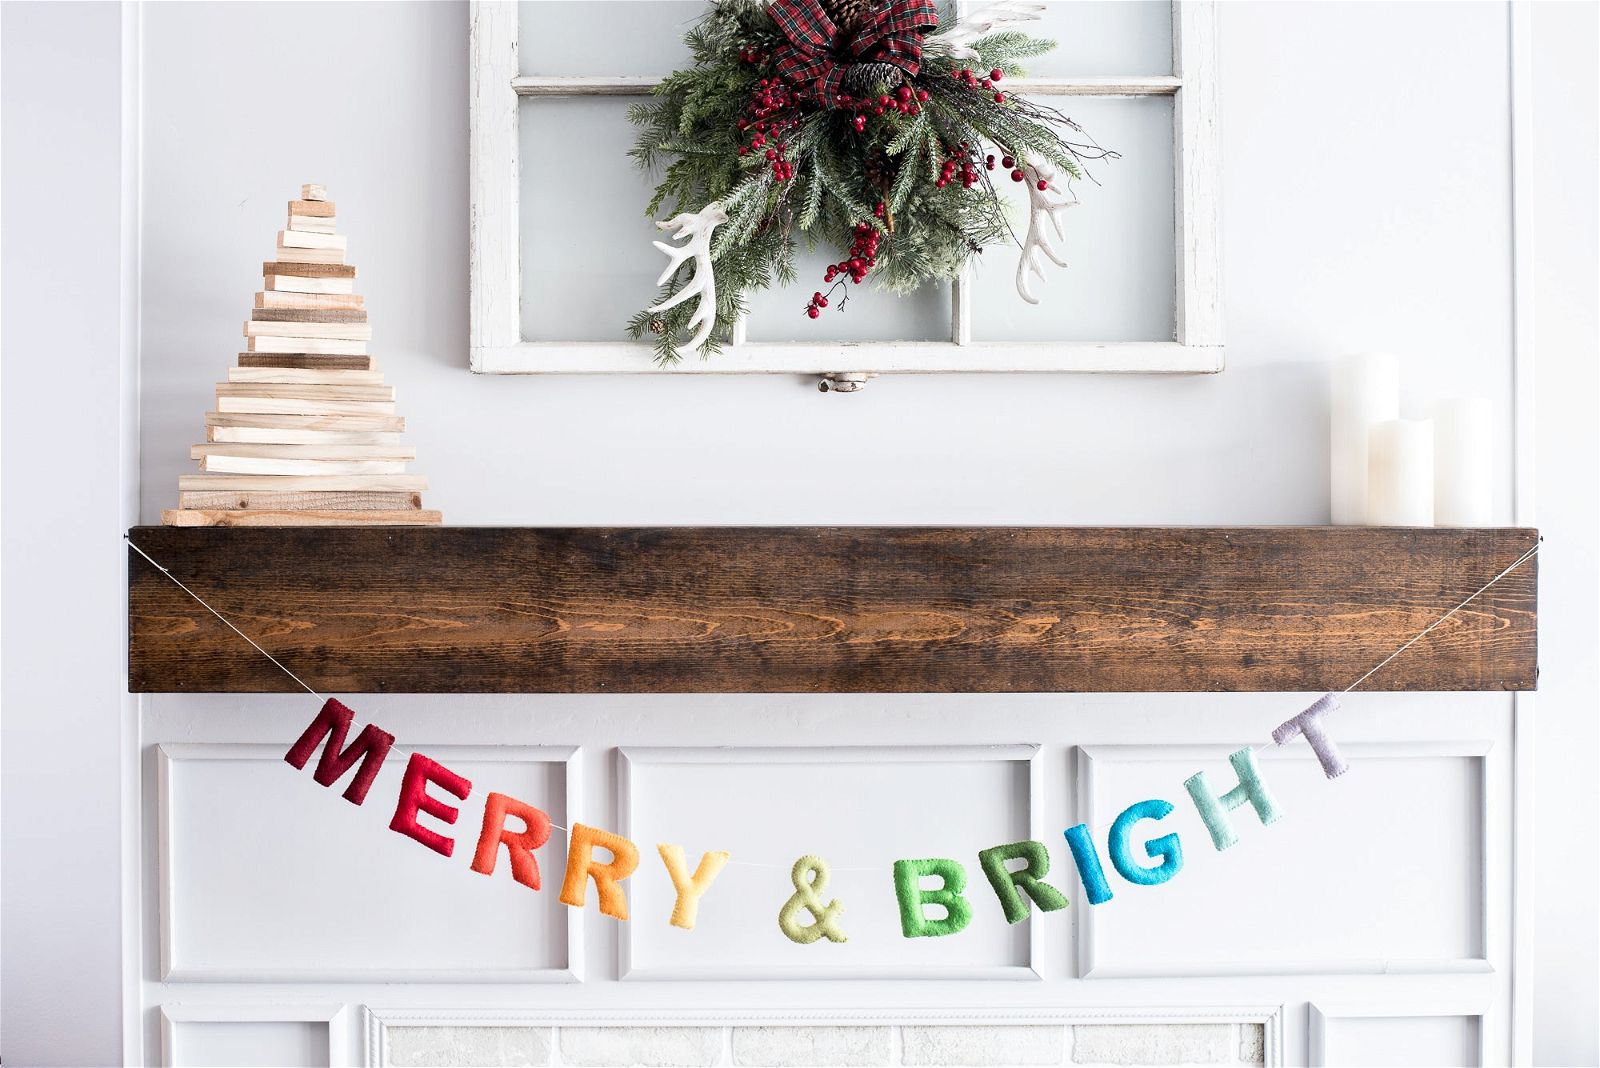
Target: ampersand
{"points": [[810, 878]]}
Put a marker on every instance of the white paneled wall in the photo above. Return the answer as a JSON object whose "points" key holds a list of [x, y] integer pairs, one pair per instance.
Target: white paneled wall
{"points": [[1381, 888]]}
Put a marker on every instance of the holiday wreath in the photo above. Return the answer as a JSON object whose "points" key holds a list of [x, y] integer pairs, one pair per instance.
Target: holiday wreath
{"points": [[863, 125]]}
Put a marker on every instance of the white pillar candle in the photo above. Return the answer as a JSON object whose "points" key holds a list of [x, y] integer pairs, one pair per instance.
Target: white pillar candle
{"points": [[1400, 473], [1462, 462], [1366, 390]]}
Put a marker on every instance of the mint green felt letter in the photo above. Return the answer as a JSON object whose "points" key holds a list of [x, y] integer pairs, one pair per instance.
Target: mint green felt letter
{"points": [[913, 899], [1027, 879], [1214, 808]]}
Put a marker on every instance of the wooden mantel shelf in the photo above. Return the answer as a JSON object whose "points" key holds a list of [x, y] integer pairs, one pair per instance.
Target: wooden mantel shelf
{"points": [[829, 609]]}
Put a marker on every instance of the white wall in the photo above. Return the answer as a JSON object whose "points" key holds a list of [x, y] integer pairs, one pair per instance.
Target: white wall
{"points": [[68, 472], [1366, 179]]}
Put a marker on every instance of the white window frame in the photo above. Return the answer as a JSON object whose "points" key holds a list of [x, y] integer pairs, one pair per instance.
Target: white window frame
{"points": [[497, 345]]}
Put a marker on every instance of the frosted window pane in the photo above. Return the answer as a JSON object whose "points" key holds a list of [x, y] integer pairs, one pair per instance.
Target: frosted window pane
{"points": [[1099, 39], [587, 262], [871, 314], [1119, 241], [573, 37]]}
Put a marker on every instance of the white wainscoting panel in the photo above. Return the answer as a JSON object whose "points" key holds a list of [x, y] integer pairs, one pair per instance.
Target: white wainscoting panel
{"points": [[1396, 1033], [863, 808], [268, 877], [215, 1036], [1395, 881]]}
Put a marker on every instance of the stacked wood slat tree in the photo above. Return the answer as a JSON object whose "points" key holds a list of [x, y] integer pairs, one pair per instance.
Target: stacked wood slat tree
{"points": [[305, 431]]}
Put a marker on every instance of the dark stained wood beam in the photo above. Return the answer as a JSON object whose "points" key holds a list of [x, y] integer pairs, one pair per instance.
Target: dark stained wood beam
{"points": [[830, 609]]}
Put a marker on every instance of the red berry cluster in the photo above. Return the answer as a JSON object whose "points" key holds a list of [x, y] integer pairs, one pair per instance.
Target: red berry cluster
{"points": [[972, 81], [962, 161], [905, 100], [1017, 174], [752, 55], [863, 257], [773, 112]]}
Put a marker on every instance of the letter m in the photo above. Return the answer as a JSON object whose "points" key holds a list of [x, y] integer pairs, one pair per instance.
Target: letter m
{"points": [[371, 747]]}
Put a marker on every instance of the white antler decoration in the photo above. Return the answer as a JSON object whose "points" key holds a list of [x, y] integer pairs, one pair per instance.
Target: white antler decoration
{"points": [[1051, 203], [982, 22], [694, 230]]}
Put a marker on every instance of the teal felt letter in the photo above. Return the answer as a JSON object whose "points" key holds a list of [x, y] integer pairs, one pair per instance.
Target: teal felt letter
{"points": [[1088, 861], [1010, 886], [1214, 809], [1165, 849], [914, 922]]}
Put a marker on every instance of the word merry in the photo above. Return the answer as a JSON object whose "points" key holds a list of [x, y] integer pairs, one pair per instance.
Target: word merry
{"points": [[1017, 889]]}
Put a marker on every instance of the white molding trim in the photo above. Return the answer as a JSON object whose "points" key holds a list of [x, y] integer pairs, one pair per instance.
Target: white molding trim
{"points": [[377, 1020], [1491, 794], [496, 342], [334, 1015], [1392, 1007], [630, 756], [173, 970]]}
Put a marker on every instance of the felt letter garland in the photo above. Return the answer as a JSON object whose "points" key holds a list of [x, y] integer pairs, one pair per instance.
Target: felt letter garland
{"points": [[1088, 861], [519, 844], [689, 888], [581, 865], [1214, 809], [414, 797], [913, 899], [371, 747], [1027, 879], [1165, 849], [1309, 724]]}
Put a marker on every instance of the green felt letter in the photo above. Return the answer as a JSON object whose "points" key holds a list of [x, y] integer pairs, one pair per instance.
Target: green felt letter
{"points": [[914, 923], [1027, 879]]}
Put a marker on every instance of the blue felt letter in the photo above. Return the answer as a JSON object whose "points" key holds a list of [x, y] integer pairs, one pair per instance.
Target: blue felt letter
{"points": [[1089, 869], [1165, 849]]}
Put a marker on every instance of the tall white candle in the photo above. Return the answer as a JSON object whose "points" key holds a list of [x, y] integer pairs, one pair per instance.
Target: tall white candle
{"points": [[1366, 390], [1400, 473], [1463, 459]]}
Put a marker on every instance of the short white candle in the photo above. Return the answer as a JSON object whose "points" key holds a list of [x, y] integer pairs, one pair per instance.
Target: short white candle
{"points": [[1366, 390], [1400, 473], [1463, 459]]}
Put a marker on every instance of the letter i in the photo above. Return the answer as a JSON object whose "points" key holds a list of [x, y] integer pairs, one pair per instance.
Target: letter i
{"points": [[1088, 861]]}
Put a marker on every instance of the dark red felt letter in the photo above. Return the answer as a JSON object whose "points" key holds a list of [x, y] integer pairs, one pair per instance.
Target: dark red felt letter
{"points": [[371, 747]]}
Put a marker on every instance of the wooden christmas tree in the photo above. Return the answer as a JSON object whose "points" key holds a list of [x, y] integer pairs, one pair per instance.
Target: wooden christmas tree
{"points": [[305, 431]]}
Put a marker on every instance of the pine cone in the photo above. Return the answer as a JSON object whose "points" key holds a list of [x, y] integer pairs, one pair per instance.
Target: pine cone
{"points": [[847, 14], [863, 79], [880, 170]]}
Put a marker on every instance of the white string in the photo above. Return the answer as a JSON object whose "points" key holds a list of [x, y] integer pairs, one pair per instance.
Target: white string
{"points": [[1385, 662], [224, 619]]}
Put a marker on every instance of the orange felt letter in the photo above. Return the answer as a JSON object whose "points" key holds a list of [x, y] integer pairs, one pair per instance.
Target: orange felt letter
{"points": [[519, 844], [608, 878]]}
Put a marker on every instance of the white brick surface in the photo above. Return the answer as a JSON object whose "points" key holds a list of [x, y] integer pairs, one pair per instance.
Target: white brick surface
{"points": [[811, 1047], [1151, 1044], [1252, 1044], [617, 1047], [1000, 1045], [492, 1047]]}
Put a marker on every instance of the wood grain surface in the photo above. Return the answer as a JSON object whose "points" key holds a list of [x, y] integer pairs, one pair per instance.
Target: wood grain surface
{"points": [[830, 610]]}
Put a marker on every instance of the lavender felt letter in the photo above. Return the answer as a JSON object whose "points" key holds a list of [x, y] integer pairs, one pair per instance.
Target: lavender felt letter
{"points": [[1309, 724]]}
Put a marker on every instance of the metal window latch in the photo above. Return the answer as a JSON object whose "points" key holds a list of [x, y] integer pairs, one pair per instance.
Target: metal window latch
{"points": [[844, 381]]}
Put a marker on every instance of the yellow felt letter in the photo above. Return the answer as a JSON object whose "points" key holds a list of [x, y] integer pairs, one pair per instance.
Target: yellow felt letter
{"points": [[607, 877], [689, 889]]}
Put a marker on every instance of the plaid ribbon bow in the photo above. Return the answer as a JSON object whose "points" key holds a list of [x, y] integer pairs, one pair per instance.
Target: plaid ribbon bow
{"points": [[817, 61]]}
